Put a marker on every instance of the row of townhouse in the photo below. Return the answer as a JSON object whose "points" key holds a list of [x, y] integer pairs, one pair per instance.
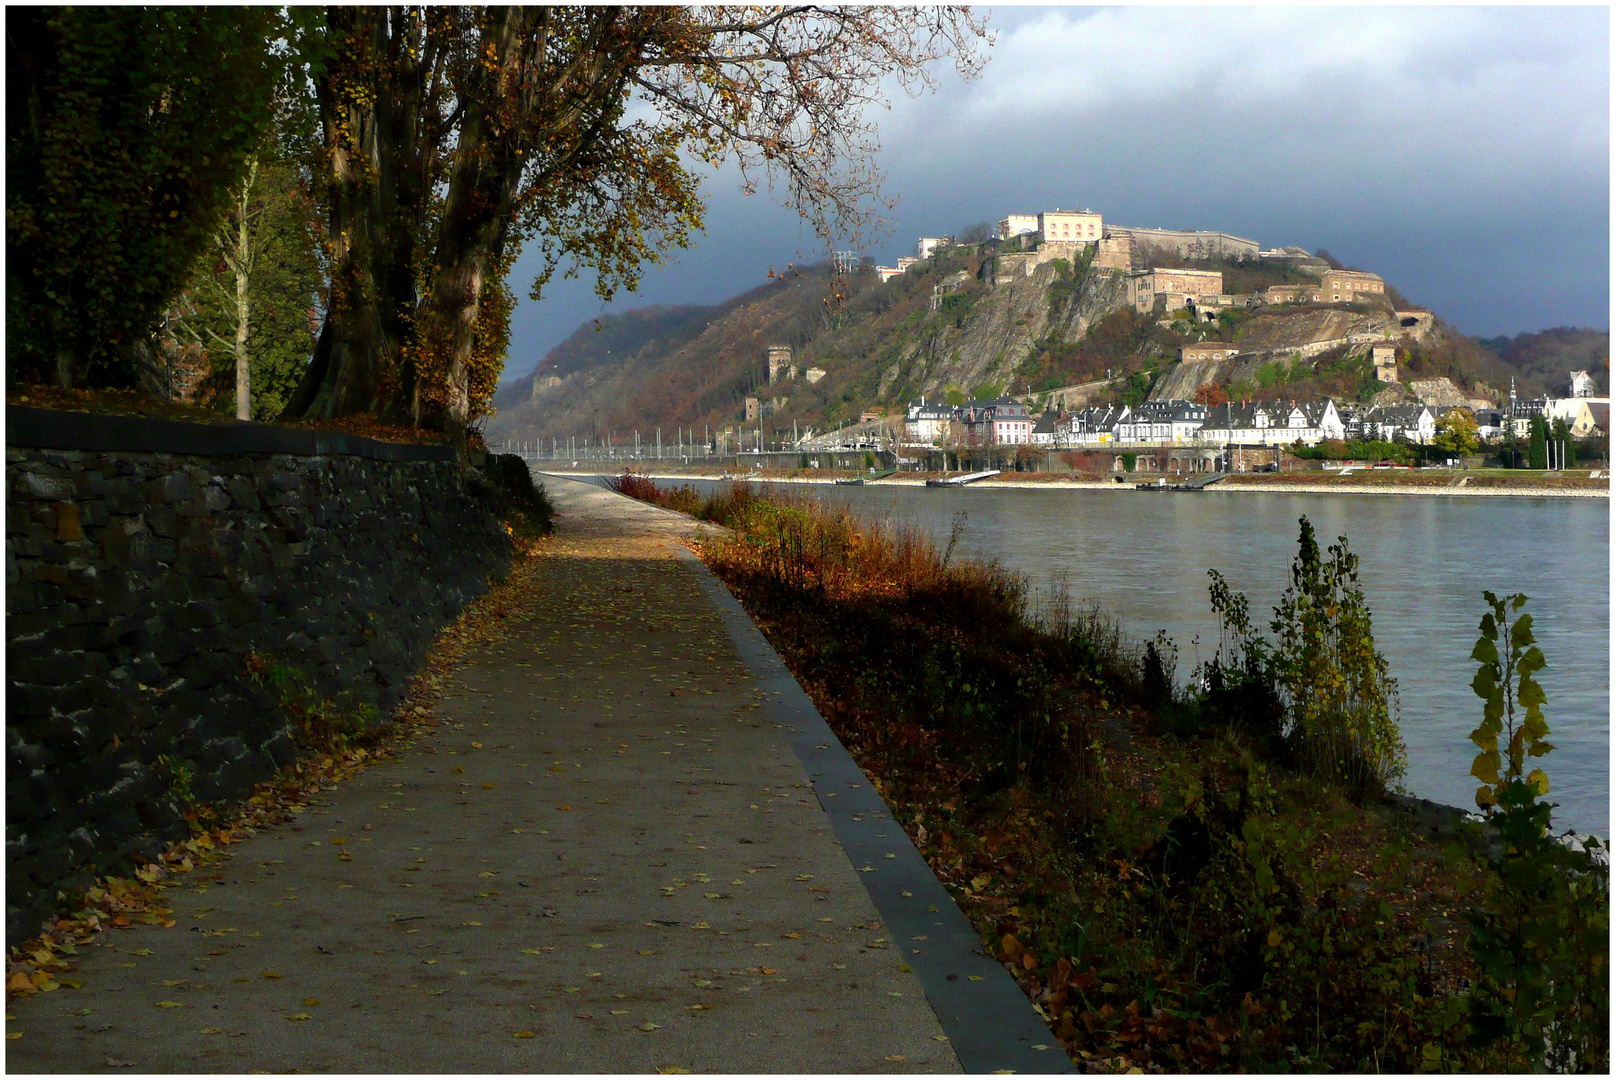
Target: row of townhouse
{"points": [[1008, 422], [1002, 421], [1189, 423]]}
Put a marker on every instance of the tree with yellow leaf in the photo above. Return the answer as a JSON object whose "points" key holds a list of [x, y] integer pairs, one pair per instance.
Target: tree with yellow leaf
{"points": [[447, 138], [1540, 934], [1340, 700], [1457, 433]]}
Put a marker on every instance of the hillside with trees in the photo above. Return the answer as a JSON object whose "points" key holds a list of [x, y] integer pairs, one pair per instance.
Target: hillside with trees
{"points": [[945, 330], [1549, 357]]}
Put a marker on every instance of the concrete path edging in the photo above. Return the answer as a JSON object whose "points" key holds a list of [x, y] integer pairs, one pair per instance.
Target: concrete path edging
{"points": [[990, 1023]]}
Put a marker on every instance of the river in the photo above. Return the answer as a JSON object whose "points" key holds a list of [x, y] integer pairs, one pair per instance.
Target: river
{"points": [[1142, 558]]}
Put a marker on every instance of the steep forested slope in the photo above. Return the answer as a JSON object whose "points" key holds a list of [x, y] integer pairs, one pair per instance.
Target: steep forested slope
{"points": [[959, 325], [1550, 356]]}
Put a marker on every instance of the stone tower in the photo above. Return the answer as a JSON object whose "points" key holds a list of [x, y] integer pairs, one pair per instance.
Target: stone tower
{"points": [[1385, 363], [780, 367]]}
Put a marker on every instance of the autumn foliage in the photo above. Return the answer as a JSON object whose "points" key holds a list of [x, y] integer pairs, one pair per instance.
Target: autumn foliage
{"points": [[1173, 890], [450, 138]]}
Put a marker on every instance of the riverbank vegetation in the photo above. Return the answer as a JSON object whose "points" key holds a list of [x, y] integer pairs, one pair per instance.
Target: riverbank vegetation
{"points": [[1211, 878]]}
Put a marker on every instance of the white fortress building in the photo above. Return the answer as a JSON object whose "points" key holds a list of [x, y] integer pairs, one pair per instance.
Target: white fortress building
{"points": [[1070, 226]]}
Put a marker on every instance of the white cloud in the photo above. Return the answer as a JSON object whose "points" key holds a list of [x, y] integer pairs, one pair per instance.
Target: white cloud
{"points": [[1481, 81], [1061, 61]]}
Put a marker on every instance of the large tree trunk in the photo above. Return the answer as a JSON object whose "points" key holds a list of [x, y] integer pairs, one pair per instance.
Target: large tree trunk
{"points": [[354, 368], [490, 157], [477, 213], [386, 349]]}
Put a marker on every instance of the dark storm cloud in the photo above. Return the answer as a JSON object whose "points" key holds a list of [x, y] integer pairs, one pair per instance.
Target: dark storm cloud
{"points": [[1463, 153]]}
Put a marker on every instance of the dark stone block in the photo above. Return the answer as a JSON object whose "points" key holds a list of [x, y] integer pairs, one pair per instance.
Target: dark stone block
{"points": [[59, 669], [280, 748]]}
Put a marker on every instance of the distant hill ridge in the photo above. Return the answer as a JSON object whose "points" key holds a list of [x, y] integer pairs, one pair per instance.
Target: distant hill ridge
{"points": [[954, 326]]}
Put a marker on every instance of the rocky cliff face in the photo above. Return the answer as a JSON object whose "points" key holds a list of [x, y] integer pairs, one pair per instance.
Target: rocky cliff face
{"points": [[999, 325], [1277, 331], [1182, 380], [1443, 391]]}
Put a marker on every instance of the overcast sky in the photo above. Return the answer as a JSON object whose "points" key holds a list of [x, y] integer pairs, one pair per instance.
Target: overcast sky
{"points": [[1462, 153]]}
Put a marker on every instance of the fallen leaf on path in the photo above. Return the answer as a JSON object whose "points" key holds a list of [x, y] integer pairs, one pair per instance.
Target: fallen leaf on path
{"points": [[116, 1064], [524, 1035], [975, 978], [619, 1012], [273, 975], [139, 952], [697, 1008], [533, 952], [300, 1016], [212, 1031], [310, 1002], [173, 982], [563, 808], [896, 1057], [648, 1026], [671, 1070], [13, 1035], [170, 1004], [594, 946], [793, 934]]}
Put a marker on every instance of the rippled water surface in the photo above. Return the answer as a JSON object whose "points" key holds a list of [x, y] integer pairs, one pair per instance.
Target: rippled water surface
{"points": [[1142, 557]]}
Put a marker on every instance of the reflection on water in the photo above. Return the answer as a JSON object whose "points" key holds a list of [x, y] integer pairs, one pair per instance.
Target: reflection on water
{"points": [[1142, 557]]}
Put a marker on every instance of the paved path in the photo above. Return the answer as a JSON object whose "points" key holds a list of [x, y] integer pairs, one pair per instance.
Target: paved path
{"points": [[609, 858]]}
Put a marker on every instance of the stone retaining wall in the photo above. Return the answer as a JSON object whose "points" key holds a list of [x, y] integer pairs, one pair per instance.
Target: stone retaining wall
{"points": [[137, 581]]}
